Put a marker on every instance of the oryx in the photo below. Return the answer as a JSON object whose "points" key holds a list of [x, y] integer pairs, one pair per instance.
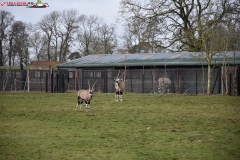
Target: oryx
{"points": [[85, 95], [164, 84], [119, 87]]}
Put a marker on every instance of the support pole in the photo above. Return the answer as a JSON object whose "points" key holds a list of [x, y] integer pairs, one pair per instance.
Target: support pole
{"points": [[230, 84], [75, 79], [196, 83], [51, 80], [62, 86], [15, 84], [46, 82], [28, 79], [57, 82], [238, 82]]}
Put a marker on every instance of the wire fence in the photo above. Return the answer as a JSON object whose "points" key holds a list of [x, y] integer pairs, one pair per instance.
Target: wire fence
{"points": [[157, 80]]}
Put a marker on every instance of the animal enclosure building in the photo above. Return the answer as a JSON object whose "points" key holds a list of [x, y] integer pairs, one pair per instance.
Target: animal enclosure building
{"points": [[181, 72]]}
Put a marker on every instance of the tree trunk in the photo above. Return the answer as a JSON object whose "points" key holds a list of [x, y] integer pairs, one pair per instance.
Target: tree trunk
{"points": [[10, 53], [209, 79], [48, 50], [1, 53], [222, 82]]}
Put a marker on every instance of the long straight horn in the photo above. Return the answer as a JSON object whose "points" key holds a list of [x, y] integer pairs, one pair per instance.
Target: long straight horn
{"points": [[118, 73], [94, 84], [122, 74], [89, 84]]}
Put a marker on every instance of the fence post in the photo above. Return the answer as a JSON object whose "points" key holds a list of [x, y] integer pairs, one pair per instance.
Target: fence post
{"points": [[75, 79], [15, 84], [143, 80], [238, 82], [51, 80], [40, 79], [68, 80], [219, 80], [230, 84], [46, 82], [28, 79], [173, 85], [57, 82], [62, 86], [196, 83]]}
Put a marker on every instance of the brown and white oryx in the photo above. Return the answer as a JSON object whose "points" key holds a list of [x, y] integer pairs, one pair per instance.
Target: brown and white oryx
{"points": [[85, 95], [119, 87]]}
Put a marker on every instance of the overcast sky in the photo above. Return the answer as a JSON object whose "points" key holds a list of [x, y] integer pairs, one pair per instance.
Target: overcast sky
{"points": [[106, 9]]}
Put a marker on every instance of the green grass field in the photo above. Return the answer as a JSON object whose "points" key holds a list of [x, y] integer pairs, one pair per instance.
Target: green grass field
{"points": [[144, 126]]}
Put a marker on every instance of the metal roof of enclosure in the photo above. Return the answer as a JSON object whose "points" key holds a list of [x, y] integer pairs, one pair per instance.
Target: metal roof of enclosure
{"points": [[149, 59]]}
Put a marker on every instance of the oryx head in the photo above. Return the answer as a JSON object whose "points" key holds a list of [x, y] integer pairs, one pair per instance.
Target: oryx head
{"points": [[117, 81], [91, 89]]}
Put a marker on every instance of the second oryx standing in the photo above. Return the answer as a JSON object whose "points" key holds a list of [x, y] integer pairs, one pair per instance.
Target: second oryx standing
{"points": [[119, 87], [85, 95]]}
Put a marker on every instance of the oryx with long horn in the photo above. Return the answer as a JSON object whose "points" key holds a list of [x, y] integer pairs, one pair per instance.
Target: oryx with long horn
{"points": [[119, 86], [85, 95]]}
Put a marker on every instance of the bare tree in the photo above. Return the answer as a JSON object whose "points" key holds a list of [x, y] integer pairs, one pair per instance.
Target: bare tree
{"points": [[47, 25], [140, 37], [108, 39], [66, 33], [87, 36], [137, 28], [230, 37], [128, 41], [6, 19], [38, 43], [18, 47], [180, 21], [149, 36]]}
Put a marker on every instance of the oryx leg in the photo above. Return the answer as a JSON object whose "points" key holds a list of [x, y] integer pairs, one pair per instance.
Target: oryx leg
{"points": [[121, 93], [81, 102], [117, 95], [78, 101], [87, 105]]}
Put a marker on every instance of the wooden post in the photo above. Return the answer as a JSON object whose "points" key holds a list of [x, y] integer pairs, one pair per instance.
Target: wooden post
{"points": [[15, 84], [46, 82], [75, 79], [196, 83], [51, 72], [238, 82], [28, 79], [230, 84], [57, 82]]}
